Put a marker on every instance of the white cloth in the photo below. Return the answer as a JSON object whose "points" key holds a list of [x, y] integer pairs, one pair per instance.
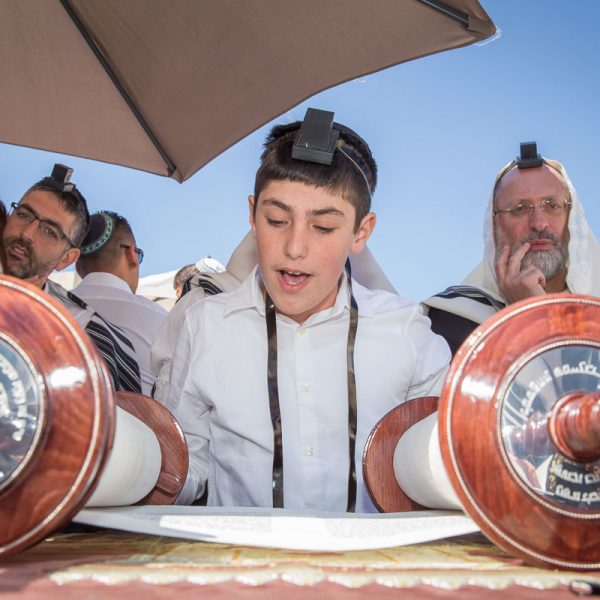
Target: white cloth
{"points": [[583, 269], [241, 262], [168, 333], [218, 392], [137, 316]]}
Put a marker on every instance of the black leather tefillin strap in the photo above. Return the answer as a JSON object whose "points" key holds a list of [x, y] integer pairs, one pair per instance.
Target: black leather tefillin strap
{"points": [[352, 411], [275, 407], [274, 402]]}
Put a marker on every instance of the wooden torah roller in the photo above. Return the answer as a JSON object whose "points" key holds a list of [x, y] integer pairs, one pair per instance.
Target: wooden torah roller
{"points": [[519, 432], [58, 420]]}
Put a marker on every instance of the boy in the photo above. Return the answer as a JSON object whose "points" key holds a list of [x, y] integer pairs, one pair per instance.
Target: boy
{"points": [[278, 384]]}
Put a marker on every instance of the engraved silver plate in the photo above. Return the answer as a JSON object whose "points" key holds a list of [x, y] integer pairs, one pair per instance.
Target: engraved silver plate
{"points": [[22, 410], [539, 381]]}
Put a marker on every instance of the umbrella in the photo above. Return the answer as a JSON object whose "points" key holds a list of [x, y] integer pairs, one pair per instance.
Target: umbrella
{"points": [[166, 85]]}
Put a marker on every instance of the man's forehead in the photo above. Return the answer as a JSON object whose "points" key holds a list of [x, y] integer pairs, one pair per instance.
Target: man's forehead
{"points": [[531, 184], [48, 206]]}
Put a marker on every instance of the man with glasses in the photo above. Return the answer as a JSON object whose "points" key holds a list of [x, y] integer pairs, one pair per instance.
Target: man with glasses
{"points": [[110, 267], [43, 233], [536, 241]]}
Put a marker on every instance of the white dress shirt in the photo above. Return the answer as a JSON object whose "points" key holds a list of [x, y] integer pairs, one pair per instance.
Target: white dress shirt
{"points": [[137, 316], [167, 335], [218, 392]]}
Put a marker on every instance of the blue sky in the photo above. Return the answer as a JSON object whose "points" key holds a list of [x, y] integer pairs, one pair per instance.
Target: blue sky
{"points": [[439, 127]]}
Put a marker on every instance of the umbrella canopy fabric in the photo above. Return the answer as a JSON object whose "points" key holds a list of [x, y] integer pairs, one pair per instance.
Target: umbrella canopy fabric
{"points": [[166, 85]]}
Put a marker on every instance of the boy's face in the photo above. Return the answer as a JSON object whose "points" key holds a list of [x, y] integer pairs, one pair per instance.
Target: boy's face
{"points": [[303, 236]]}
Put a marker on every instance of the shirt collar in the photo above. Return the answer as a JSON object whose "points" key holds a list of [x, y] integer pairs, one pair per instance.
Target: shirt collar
{"points": [[107, 279], [249, 296]]}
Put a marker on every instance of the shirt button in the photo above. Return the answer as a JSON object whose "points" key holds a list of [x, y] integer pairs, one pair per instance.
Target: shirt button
{"points": [[305, 388], [309, 451], [301, 330]]}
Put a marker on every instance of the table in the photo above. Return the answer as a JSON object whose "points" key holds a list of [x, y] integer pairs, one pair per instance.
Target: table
{"points": [[118, 565]]}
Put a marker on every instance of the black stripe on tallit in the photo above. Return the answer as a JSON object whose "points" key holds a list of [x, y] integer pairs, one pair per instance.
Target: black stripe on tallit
{"points": [[473, 293], [210, 288], [123, 367]]}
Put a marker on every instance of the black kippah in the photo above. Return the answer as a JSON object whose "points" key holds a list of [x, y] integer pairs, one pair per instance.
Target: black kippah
{"points": [[101, 229]]}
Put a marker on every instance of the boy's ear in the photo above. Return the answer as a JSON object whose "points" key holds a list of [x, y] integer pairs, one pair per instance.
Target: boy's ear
{"points": [[363, 233], [68, 258], [251, 203]]}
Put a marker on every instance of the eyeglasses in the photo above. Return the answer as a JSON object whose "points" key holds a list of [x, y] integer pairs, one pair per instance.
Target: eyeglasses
{"points": [[137, 250], [48, 230], [522, 210]]}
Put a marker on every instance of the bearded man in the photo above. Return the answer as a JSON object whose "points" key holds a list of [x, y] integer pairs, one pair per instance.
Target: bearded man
{"points": [[43, 233], [536, 241]]}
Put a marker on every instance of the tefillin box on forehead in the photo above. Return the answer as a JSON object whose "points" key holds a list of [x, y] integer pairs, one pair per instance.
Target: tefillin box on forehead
{"points": [[316, 139], [529, 158], [60, 179], [61, 175]]}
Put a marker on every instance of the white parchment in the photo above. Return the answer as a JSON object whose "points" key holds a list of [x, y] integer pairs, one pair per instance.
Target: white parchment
{"points": [[281, 528]]}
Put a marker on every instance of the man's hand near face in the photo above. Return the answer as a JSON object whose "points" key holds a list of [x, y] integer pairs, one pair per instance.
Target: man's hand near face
{"points": [[516, 284]]}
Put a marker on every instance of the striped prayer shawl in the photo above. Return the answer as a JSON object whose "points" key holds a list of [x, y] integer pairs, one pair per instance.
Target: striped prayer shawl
{"points": [[457, 311], [112, 343], [204, 281], [474, 293]]}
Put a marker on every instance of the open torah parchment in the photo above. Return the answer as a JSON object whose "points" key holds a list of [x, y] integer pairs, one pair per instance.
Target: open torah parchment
{"points": [[281, 528]]}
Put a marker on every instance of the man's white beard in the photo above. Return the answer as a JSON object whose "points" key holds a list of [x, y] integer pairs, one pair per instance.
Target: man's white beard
{"points": [[549, 262]]}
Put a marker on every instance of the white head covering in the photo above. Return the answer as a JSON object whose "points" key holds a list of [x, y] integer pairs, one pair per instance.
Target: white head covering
{"points": [[365, 268], [583, 269]]}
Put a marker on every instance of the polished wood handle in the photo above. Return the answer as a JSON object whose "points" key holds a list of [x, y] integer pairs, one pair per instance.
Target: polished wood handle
{"points": [[378, 455], [173, 447], [574, 426]]}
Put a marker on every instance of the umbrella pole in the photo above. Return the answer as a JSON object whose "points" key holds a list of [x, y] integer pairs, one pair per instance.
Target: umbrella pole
{"points": [[171, 168]]}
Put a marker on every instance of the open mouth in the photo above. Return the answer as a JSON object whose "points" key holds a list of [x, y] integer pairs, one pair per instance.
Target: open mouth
{"points": [[292, 279], [17, 251]]}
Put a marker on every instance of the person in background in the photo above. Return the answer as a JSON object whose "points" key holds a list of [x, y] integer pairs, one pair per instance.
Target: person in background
{"points": [[109, 265], [184, 274], [43, 233], [536, 241]]}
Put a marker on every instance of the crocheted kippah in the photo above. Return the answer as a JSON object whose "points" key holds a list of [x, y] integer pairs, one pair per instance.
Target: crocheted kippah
{"points": [[101, 229]]}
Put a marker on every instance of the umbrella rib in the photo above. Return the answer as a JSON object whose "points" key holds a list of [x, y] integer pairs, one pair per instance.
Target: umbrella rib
{"points": [[106, 66], [449, 11]]}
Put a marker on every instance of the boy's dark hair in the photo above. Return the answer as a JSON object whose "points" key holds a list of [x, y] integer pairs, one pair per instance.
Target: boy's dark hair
{"points": [[341, 177], [108, 253], [72, 201]]}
